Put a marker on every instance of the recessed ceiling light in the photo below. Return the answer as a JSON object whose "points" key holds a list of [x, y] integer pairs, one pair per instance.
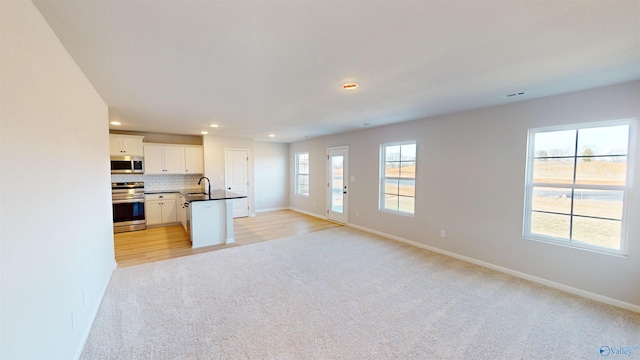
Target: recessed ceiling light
{"points": [[213, 125], [115, 123], [349, 86], [204, 132], [272, 135]]}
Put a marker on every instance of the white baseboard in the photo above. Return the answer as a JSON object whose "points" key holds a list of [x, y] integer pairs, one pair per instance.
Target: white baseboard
{"points": [[323, 217], [94, 313], [549, 283]]}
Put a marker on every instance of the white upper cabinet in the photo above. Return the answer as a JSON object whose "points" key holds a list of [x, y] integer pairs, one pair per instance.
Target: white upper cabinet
{"points": [[194, 160], [130, 145], [172, 159], [154, 159]]}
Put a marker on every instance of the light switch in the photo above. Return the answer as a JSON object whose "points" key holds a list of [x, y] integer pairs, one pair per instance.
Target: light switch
{"points": [[352, 178]]}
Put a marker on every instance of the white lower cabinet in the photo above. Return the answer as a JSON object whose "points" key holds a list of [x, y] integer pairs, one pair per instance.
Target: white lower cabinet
{"points": [[160, 208], [181, 207]]}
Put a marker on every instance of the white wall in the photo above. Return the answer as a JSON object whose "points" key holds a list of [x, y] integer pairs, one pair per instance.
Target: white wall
{"points": [[471, 169], [56, 243], [214, 162], [271, 161]]}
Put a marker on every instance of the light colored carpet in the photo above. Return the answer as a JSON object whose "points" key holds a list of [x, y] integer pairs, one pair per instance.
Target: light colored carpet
{"points": [[345, 294]]}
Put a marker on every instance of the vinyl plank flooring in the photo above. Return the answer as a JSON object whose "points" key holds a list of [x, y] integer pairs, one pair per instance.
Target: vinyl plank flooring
{"points": [[139, 247]]}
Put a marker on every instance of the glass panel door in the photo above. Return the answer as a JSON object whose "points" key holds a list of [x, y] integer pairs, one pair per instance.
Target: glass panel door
{"points": [[337, 184]]}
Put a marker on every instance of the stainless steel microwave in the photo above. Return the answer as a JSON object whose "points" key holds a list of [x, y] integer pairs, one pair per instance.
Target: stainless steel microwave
{"points": [[127, 165]]}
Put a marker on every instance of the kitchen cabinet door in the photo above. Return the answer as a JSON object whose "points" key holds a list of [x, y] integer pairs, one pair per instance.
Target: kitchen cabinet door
{"points": [[129, 145], [115, 145], [160, 209], [194, 160], [174, 159], [132, 146], [169, 214], [153, 159], [182, 212], [153, 212]]}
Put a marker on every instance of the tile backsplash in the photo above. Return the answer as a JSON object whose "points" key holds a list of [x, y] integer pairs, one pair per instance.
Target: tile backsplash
{"points": [[161, 182]]}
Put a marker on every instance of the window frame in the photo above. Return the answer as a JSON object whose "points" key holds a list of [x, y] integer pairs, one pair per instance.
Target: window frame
{"points": [[298, 174], [625, 189], [382, 178]]}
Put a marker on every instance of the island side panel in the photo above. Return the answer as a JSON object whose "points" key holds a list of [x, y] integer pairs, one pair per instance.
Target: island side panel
{"points": [[208, 223], [229, 218]]}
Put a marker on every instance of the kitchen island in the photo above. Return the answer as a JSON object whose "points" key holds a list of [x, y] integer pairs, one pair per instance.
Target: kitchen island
{"points": [[211, 217]]}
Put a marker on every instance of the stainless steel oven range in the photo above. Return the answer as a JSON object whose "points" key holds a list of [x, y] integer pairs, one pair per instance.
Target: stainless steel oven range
{"points": [[128, 206]]}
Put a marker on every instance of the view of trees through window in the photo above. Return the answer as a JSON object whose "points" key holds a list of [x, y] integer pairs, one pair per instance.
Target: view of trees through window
{"points": [[398, 188], [577, 185]]}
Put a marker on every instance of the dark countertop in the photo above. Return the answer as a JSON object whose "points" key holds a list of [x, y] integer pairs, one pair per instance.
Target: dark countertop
{"points": [[196, 194], [215, 195], [184, 192]]}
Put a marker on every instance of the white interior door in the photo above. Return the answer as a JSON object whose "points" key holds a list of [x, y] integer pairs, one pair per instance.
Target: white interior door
{"points": [[237, 178], [337, 181]]}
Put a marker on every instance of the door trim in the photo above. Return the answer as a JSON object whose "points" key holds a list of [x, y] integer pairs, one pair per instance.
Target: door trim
{"points": [[248, 175]]}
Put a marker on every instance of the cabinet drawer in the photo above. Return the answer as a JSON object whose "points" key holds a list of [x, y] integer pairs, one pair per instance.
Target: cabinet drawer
{"points": [[163, 196]]}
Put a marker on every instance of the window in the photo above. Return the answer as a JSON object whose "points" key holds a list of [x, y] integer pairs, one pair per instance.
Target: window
{"points": [[302, 174], [398, 178], [576, 185]]}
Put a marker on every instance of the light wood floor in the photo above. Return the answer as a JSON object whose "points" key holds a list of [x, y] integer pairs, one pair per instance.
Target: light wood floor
{"points": [[139, 247]]}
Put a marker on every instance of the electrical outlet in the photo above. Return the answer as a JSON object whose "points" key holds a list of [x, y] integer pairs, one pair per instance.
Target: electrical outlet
{"points": [[443, 233]]}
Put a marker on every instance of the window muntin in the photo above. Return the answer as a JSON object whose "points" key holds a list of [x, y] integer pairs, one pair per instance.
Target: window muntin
{"points": [[576, 186], [302, 174], [398, 178]]}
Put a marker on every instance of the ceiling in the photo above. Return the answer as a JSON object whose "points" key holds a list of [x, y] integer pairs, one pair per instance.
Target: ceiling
{"points": [[277, 67]]}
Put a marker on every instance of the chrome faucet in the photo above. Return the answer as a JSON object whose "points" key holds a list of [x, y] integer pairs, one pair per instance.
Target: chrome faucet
{"points": [[204, 177]]}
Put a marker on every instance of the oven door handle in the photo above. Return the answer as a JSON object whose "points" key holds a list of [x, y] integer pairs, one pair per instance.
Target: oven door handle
{"points": [[127, 201]]}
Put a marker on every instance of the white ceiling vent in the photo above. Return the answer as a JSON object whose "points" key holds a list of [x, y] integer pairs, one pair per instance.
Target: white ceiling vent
{"points": [[514, 95]]}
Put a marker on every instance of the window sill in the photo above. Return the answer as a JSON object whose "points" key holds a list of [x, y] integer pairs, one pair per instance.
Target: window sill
{"points": [[397, 213], [575, 245]]}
